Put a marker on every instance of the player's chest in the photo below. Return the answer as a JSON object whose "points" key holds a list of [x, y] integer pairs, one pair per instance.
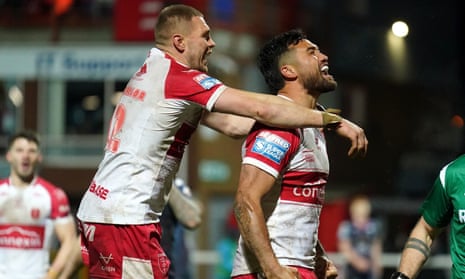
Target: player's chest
{"points": [[311, 153], [26, 205]]}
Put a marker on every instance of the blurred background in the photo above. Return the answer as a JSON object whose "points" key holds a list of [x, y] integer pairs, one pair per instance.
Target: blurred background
{"points": [[64, 63]]}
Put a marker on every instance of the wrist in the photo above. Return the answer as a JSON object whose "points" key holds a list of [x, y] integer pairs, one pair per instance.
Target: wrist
{"points": [[52, 274], [330, 119], [399, 275], [270, 269]]}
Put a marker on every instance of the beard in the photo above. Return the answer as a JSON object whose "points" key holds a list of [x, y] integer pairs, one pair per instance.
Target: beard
{"points": [[200, 67], [320, 84]]}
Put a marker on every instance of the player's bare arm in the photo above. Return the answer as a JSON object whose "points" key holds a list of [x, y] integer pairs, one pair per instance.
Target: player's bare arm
{"points": [[253, 185], [66, 234], [187, 210], [417, 248], [272, 110], [231, 125], [74, 261], [356, 135]]}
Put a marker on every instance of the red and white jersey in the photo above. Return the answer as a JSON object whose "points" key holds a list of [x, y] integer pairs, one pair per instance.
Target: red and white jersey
{"points": [[297, 158], [160, 109], [27, 217]]}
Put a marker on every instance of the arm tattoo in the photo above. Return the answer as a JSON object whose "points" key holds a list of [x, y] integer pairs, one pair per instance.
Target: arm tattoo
{"points": [[241, 216], [419, 245]]}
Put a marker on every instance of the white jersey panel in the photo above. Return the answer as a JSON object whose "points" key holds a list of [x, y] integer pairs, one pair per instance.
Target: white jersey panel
{"points": [[299, 161], [157, 114], [27, 216]]}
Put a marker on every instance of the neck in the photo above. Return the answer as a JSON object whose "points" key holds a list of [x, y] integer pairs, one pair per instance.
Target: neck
{"points": [[300, 95], [21, 181], [173, 53]]}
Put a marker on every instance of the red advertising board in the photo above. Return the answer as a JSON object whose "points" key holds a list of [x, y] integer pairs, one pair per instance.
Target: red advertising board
{"points": [[134, 20]]}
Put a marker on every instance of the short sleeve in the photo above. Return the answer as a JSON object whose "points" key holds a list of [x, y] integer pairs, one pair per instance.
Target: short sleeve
{"points": [[270, 149], [193, 86], [60, 204], [437, 208]]}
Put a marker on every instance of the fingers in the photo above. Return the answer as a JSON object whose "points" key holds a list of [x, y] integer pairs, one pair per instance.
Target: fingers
{"points": [[331, 271], [359, 145], [357, 137], [294, 271]]}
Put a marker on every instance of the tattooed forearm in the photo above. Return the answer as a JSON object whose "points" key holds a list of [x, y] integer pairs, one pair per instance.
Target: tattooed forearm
{"points": [[419, 245], [242, 216]]}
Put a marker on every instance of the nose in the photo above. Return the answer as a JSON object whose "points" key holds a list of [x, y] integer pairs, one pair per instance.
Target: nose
{"points": [[212, 43], [26, 156], [324, 57]]}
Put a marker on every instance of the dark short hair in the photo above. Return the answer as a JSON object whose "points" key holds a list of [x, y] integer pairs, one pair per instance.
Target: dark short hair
{"points": [[26, 134], [272, 51], [170, 16]]}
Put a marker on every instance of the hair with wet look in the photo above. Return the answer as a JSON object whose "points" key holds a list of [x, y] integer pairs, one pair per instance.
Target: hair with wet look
{"points": [[271, 53], [171, 19]]}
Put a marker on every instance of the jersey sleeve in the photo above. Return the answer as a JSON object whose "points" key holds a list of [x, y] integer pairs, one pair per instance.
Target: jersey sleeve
{"points": [[437, 208], [60, 204], [193, 86], [270, 149]]}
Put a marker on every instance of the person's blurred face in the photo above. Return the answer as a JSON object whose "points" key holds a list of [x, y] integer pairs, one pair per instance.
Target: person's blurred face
{"points": [[312, 67], [199, 44], [360, 211], [23, 157]]}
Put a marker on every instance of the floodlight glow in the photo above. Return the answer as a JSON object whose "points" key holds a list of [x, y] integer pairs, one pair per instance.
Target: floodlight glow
{"points": [[400, 29]]}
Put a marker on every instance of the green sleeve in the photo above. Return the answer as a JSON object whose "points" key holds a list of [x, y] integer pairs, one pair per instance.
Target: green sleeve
{"points": [[437, 208]]}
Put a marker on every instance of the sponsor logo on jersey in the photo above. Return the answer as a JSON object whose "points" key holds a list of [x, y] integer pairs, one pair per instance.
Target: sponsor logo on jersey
{"points": [[134, 93], [271, 146], [305, 194], [142, 70], [163, 263], [461, 213], [206, 81], [106, 260], [98, 190], [21, 237], [89, 232], [35, 213]]}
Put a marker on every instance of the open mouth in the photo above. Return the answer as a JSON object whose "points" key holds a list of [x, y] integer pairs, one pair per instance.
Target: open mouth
{"points": [[205, 58], [325, 70], [25, 167]]}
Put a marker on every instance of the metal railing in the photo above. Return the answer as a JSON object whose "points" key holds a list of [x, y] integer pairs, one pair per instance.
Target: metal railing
{"points": [[440, 261]]}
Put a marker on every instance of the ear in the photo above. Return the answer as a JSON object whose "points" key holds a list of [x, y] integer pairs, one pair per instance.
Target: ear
{"points": [[178, 42], [288, 72], [8, 156]]}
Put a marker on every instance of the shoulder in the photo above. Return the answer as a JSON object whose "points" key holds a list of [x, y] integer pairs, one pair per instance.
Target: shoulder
{"points": [[45, 183], [284, 139], [457, 166], [4, 182], [52, 189], [180, 76], [265, 131], [58, 198], [453, 173]]}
